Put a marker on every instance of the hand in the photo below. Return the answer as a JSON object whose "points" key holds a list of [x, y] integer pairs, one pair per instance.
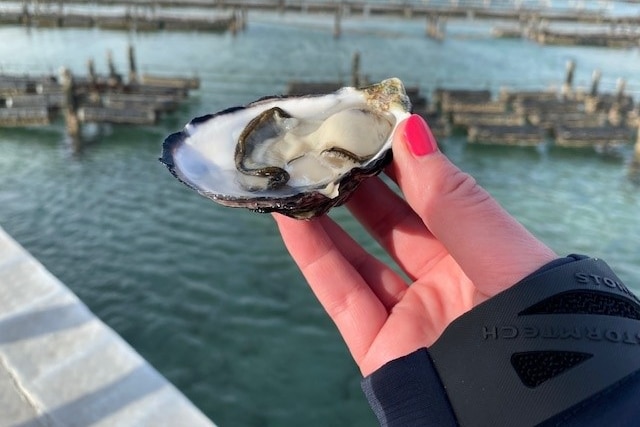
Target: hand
{"points": [[455, 243]]}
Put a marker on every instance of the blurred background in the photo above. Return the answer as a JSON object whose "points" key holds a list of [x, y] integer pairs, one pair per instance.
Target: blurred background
{"points": [[207, 294]]}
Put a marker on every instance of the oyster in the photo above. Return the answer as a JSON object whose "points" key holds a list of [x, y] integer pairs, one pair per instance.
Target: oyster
{"points": [[299, 156]]}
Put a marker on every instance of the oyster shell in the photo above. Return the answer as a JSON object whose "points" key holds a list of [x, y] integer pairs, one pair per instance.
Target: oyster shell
{"points": [[299, 156]]}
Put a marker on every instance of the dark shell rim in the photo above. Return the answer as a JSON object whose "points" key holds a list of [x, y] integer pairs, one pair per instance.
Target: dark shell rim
{"points": [[311, 204]]}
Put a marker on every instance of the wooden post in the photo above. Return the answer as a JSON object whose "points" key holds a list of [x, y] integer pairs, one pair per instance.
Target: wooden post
{"points": [[435, 27], [355, 70], [244, 13], [636, 150], [621, 85], [337, 23], [93, 79], [71, 104], [26, 15], [568, 82], [133, 74], [616, 112], [429, 26], [408, 11], [592, 100], [442, 28], [235, 23], [114, 77], [595, 81]]}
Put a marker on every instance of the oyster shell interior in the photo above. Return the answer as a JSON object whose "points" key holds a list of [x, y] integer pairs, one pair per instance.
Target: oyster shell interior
{"points": [[295, 155]]}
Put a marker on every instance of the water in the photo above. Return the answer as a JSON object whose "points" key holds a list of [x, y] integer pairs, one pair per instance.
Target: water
{"points": [[208, 294]]}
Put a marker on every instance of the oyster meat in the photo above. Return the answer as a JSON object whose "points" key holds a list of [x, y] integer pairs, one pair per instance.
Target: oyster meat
{"points": [[299, 156]]}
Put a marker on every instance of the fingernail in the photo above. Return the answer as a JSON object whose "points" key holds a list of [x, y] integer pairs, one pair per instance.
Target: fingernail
{"points": [[419, 137]]}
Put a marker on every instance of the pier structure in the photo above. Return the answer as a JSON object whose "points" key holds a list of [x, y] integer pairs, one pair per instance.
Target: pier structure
{"points": [[62, 366], [29, 100], [404, 9], [137, 17], [569, 117], [138, 99], [231, 15]]}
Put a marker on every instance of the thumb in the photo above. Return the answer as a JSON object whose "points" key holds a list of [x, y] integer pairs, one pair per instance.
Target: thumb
{"points": [[491, 247]]}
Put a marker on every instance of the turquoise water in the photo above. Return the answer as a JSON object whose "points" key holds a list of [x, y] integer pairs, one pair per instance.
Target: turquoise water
{"points": [[208, 294]]}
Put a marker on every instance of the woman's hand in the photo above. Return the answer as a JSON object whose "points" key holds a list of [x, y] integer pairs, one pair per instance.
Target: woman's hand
{"points": [[455, 243]]}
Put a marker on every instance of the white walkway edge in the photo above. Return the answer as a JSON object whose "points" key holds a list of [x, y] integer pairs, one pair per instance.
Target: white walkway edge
{"points": [[60, 366]]}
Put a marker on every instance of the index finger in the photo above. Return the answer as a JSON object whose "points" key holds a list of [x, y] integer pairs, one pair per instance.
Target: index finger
{"points": [[491, 247], [339, 285]]}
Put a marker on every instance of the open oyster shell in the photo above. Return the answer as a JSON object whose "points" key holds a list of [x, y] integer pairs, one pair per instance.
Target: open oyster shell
{"points": [[299, 156]]}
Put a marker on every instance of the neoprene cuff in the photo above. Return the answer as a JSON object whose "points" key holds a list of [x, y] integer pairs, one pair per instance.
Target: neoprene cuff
{"points": [[563, 334]]}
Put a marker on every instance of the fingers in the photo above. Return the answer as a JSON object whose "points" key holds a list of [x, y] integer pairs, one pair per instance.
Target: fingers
{"points": [[385, 283], [491, 247], [340, 282], [396, 227]]}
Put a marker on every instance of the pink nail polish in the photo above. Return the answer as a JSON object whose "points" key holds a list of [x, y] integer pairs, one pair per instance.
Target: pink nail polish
{"points": [[419, 137]]}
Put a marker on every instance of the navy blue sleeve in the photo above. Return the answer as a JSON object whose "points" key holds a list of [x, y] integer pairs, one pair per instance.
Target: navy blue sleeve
{"points": [[407, 392], [410, 391]]}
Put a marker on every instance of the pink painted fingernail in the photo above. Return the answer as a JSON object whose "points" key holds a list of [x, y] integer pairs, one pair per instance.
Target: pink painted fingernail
{"points": [[419, 137]]}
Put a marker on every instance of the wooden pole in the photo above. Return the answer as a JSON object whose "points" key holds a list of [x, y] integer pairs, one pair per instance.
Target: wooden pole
{"points": [[133, 74], [408, 11], [235, 23], [621, 85], [591, 101], [429, 26], [93, 79], [26, 15], [114, 77], [337, 23], [244, 15], [616, 112], [637, 146], [435, 27], [355, 70], [595, 81], [567, 87], [71, 104]]}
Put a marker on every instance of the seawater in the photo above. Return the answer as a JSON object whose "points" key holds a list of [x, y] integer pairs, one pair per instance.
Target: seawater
{"points": [[208, 294]]}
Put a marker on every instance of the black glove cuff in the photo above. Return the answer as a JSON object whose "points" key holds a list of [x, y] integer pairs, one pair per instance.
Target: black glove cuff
{"points": [[556, 338]]}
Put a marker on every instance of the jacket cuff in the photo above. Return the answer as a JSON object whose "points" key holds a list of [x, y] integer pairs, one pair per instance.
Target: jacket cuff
{"points": [[408, 392]]}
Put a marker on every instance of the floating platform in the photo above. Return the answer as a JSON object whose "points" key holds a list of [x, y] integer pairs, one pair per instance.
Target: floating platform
{"points": [[446, 98], [134, 101], [487, 119], [607, 39], [32, 101], [474, 107], [128, 116], [24, 84], [128, 21], [526, 97], [601, 136], [35, 100], [182, 83], [505, 135], [605, 102], [507, 32], [26, 116]]}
